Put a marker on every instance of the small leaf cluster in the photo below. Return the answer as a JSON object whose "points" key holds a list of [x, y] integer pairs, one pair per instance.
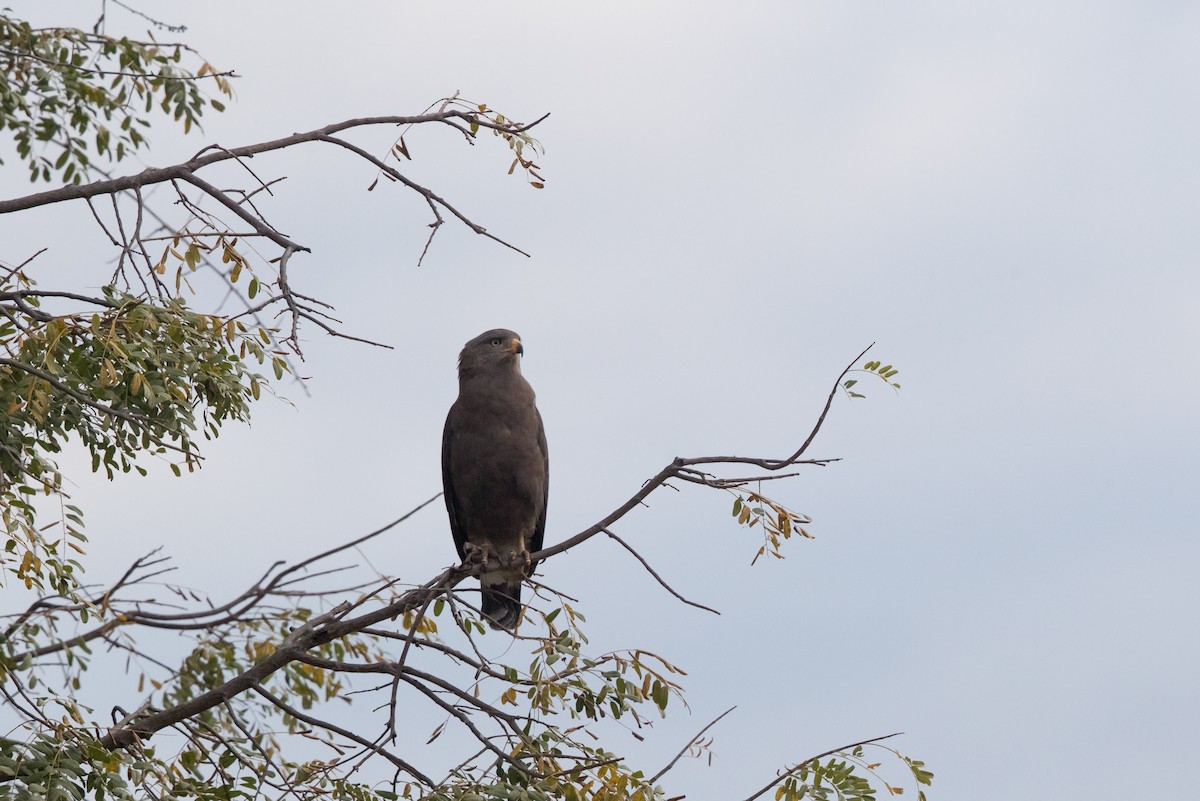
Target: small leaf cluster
{"points": [[68, 96], [778, 522], [836, 780], [519, 142], [187, 249], [920, 774], [884, 372]]}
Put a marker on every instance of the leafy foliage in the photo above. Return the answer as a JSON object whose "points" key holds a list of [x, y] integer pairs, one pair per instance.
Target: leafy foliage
{"points": [[130, 378], [68, 96]]}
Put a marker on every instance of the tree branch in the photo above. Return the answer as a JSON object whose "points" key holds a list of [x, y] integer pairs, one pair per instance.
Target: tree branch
{"points": [[157, 175]]}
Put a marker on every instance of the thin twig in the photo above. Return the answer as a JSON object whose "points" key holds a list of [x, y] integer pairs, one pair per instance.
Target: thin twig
{"points": [[688, 747], [349, 735], [657, 577]]}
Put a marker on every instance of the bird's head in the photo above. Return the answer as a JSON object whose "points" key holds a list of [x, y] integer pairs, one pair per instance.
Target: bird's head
{"points": [[498, 349]]}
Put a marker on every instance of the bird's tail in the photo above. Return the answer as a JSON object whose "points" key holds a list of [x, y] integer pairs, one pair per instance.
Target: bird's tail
{"points": [[501, 602]]}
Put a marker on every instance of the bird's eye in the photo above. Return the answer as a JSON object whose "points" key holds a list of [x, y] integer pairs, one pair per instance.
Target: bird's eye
{"points": [[496, 343]]}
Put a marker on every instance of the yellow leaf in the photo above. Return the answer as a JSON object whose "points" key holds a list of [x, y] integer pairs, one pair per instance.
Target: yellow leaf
{"points": [[108, 373]]}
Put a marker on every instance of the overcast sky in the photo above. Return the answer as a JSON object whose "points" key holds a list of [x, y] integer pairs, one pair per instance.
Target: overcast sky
{"points": [[739, 198]]}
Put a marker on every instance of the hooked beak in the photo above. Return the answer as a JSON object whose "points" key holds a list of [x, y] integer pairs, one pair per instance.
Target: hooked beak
{"points": [[515, 347]]}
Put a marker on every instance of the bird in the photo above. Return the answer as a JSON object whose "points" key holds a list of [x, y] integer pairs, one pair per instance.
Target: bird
{"points": [[496, 472]]}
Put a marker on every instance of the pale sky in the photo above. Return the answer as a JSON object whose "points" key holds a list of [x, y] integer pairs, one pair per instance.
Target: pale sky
{"points": [[738, 200]]}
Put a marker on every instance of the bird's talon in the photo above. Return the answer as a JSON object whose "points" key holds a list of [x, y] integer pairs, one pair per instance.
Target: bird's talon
{"points": [[474, 554]]}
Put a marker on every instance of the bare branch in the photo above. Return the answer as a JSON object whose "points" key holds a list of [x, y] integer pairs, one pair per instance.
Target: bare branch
{"points": [[14, 270], [657, 577], [778, 464], [432, 199], [286, 293], [462, 718], [257, 223]]}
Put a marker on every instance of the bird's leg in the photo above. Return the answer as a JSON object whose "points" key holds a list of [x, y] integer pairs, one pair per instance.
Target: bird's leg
{"points": [[475, 554], [514, 558]]}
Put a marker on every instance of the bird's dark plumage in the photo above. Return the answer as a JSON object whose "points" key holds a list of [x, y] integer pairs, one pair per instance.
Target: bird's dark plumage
{"points": [[495, 471]]}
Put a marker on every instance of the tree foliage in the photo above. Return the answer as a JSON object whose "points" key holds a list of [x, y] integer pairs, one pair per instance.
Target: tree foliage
{"points": [[68, 96], [133, 373]]}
